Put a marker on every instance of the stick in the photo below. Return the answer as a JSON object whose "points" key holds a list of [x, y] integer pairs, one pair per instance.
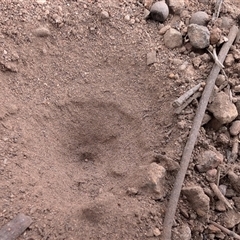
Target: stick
{"points": [[220, 196], [178, 102], [187, 152], [217, 9], [194, 96], [13, 229], [225, 230]]}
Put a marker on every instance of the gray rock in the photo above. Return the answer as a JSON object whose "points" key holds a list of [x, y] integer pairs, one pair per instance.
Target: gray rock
{"points": [[151, 57], [173, 38], [176, 5], [199, 36], [104, 14], [235, 128], [198, 200], [229, 60], [42, 32], [182, 233], [159, 11], [208, 160], [230, 218], [222, 108], [220, 80], [200, 18]]}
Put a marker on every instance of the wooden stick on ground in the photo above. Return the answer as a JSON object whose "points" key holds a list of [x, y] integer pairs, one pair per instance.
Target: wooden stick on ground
{"points": [[188, 101], [220, 196], [225, 230], [13, 229], [187, 152], [179, 101]]}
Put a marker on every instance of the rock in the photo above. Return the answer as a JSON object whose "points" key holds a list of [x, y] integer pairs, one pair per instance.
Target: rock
{"points": [[151, 57], [211, 175], [223, 139], [132, 191], [220, 80], [42, 32], [146, 14], [208, 160], [222, 108], [234, 180], [235, 128], [156, 232], [200, 18], [215, 35], [230, 218], [104, 14], [164, 29], [159, 11], [198, 200], [197, 61], [206, 119], [148, 3], [149, 179], [199, 36], [237, 104], [229, 60], [127, 18], [236, 89], [237, 202], [182, 233], [220, 206], [173, 38], [41, 1], [223, 189], [156, 176], [176, 5]]}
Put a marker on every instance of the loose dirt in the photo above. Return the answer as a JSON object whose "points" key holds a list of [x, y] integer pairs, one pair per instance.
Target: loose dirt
{"points": [[80, 113]]}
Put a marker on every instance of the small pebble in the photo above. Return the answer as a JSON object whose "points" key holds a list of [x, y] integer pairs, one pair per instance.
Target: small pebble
{"points": [[104, 15], [156, 232], [42, 32], [215, 35], [127, 18], [235, 128]]}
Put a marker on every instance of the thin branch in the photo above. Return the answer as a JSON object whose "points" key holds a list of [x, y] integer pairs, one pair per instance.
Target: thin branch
{"points": [[225, 230], [220, 196], [188, 101], [179, 101], [187, 152], [217, 9]]}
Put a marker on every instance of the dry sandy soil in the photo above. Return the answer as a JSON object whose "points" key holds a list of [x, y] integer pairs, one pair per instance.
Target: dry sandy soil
{"points": [[80, 113]]}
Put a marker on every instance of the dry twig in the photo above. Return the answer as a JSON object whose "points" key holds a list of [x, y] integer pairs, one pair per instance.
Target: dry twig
{"points": [[225, 230], [220, 196], [188, 101], [187, 152], [179, 101]]}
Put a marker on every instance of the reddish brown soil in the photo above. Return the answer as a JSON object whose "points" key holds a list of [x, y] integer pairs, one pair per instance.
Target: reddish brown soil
{"points": [[80, 112]]}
